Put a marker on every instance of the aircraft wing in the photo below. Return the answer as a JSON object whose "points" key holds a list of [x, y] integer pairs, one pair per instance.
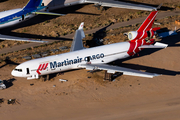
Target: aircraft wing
{"points": [[118, 4], [113, 69], [7, 37], [77, 43], [48, 13]]}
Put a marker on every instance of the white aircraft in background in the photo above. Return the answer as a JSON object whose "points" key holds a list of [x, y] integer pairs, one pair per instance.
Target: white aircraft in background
{"points": [[92, 58], [15, 16], [56, 4]]}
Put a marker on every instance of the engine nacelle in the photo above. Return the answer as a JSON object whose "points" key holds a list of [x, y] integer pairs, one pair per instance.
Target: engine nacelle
{"points": [[132, 35], [142, 34]]}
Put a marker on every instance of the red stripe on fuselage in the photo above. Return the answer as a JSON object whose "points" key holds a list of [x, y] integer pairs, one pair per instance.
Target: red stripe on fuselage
{"points": [[131, 48], [139, 42], [45, 66], [135, 44], [42, 67], [39, 69]]}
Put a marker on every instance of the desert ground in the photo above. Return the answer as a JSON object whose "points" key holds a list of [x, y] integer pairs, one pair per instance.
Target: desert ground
{"points": [[86, 95]]}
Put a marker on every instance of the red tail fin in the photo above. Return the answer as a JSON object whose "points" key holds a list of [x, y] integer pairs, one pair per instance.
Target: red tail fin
{"points": [[147, 24]]}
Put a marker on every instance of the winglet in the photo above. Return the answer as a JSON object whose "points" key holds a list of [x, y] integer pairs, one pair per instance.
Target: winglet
{"points": [[81, 26]]}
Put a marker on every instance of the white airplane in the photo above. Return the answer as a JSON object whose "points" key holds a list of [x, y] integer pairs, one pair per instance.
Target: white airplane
{"points": [[55, 4], [15, 16], [91, 58]]}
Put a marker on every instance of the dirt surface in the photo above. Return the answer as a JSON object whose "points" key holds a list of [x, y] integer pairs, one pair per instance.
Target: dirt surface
{"points": [[86, 95]]}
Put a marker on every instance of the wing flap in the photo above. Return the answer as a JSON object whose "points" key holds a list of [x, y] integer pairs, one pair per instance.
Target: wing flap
{"points": [[118, 4], [7, 37], [113, 69], [77, 43]]}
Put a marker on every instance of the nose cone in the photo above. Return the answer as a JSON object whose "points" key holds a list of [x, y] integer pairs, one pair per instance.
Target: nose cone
{"points": [[17, 73], [13, 73]]}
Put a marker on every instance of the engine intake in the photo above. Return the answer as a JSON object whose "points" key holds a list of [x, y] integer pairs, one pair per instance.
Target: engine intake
{"points": [[132, 35]]}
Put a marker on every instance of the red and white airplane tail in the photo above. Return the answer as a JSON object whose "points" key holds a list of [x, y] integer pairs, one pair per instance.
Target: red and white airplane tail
{"points": [[147, 24], [145, 30]]}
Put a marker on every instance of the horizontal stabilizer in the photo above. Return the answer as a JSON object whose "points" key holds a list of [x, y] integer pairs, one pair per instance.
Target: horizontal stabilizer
{"points": [[119, 4], [113, 69], [6, 37], [156, 45], [48, 13]]}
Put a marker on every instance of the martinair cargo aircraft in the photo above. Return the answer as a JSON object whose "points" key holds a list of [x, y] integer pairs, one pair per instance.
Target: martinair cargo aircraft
{"points": [[55, 4], [15, 16], [92, 58]]}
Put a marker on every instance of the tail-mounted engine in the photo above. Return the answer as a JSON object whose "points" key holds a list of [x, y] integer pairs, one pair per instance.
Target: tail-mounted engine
{"points": [[142, 34]]}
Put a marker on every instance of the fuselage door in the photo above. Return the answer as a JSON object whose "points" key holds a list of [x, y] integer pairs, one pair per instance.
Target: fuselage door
{"points": [[27, 71]]}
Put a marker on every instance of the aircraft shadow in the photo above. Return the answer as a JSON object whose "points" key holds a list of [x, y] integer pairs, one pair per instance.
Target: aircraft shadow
{"points": [[3, 1], [33, 36], [9, 82], [97, 36], [8, 62]]}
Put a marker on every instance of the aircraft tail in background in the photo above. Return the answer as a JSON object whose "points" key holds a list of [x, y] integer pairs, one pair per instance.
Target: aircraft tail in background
{"points": [[33, 4]]}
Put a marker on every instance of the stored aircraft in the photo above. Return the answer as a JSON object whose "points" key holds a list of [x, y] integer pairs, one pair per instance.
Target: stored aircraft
{"points": [[92, 58], [56, 4], [15, 16]]}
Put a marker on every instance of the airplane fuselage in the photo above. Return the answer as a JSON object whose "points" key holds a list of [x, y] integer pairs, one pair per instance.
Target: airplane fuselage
{"points": [[72, 60]]}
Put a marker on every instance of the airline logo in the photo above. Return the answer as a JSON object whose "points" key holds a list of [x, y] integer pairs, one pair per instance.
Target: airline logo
{"points": [[42, 67], [76, 60], [67, 62]]}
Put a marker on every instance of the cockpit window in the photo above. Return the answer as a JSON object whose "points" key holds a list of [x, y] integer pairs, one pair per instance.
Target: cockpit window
{"points": [[19, 70]]}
